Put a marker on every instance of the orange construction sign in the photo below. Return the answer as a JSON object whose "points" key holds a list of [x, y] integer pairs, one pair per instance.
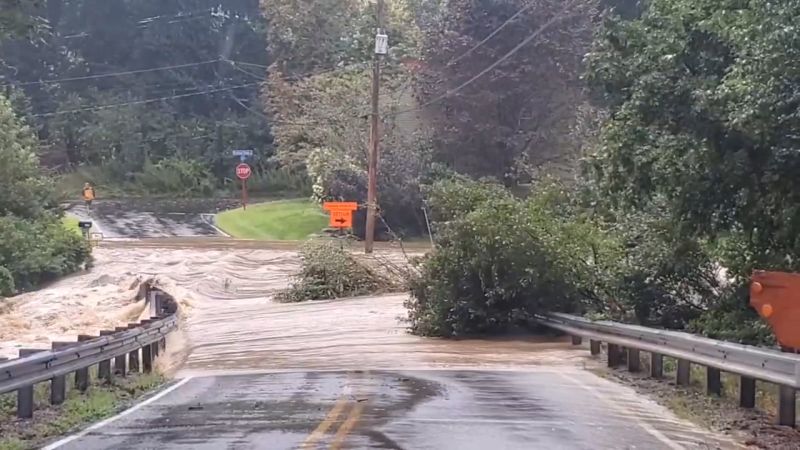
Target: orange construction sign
{"points": [[776, 297], [341, 213]]}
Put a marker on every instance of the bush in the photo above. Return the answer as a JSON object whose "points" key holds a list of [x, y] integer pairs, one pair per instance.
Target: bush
{"points": [[281, 181], [40, 250], [328, 271], [6, 282], [499, 260], [176, 176]]}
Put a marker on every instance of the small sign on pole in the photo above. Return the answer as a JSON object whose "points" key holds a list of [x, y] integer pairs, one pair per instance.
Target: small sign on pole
{"points": [[242, 154], [381, 43], [341, 213], [243, 172]]}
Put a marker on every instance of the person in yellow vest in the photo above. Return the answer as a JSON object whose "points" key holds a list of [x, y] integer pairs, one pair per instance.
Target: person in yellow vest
{"points": [[88, 195]]}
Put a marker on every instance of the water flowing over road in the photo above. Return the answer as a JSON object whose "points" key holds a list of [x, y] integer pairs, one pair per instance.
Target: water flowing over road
{"points": [[333, 374]]}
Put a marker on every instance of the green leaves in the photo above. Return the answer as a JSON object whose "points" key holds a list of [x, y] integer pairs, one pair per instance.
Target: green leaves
{"points": [[703, 97], [499, 260]]}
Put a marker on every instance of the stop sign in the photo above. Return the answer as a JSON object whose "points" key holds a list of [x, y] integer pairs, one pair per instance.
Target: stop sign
{"points": [[243, 171]]}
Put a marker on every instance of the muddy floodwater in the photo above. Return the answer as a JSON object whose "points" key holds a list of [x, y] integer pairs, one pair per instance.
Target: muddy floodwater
{"points": [[231, 324], [234, 340]]}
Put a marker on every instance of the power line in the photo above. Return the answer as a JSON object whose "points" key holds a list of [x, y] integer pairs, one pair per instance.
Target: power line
{"points": [[114, 74], [141, 102], [492, 34], [450, 92]]}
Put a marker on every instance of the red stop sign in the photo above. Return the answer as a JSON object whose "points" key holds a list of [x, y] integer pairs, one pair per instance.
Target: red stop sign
{"points": [[243, 171]]}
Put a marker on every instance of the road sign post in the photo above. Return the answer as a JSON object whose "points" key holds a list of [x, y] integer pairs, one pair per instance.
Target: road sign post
{"points": [[243, 172], [341, 213]]}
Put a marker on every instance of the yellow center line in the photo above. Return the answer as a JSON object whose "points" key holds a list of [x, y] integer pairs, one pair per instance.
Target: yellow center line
{"points": [[324, 426], [347, 426]]}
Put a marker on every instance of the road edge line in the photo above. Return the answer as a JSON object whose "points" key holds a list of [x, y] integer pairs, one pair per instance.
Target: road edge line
{"points": [[132, 409]]}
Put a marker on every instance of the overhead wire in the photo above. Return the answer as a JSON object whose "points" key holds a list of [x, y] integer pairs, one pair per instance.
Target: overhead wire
{"points": [[556, 18], [114, 74], [141, 102]]}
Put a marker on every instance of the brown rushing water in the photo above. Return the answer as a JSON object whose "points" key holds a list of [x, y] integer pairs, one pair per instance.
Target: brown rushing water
{"points": [[231, 324]]}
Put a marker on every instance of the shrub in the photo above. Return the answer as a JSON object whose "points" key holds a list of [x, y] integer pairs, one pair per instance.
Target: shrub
{"points": [[41, 250], [498, 261], [328, 271], [282, 181], [176, 176], [6, 282]]}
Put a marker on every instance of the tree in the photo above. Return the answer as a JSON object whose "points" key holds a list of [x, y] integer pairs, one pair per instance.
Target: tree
{"points": [[702, 98], [703, 101], [513, 119], [193, 112], [34, 245], [317, 98]]}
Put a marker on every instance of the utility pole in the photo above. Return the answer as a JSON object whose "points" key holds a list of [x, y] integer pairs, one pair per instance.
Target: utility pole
{"points": [[381, 48]]}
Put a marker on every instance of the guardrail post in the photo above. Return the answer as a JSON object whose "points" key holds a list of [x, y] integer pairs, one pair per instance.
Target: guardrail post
{"points": [[577, 340], [614, 355], [58, 385], [747, 392], [594, 347], [133, 357], [25, 395], [634, 364], [120, 366], [104, 368], [713, 381], [656, 365], [147, 358], [82, 375], [684, 372], [155, 303], [787, 404]]}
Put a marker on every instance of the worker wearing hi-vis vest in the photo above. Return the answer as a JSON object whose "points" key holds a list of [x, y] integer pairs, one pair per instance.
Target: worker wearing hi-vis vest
{"points": [[88, 194]]}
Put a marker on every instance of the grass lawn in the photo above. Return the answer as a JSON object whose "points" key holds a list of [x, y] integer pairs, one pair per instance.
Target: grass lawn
{"points": [[285, 220], [71, 223]]}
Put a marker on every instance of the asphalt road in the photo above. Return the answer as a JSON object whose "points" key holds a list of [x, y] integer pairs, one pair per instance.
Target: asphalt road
{"points": [[534, 409], [132, 220]]}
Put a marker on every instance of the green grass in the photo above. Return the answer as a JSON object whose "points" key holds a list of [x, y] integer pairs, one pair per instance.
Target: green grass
{"points": [[287, 220], [99, 402], [71, 223]]}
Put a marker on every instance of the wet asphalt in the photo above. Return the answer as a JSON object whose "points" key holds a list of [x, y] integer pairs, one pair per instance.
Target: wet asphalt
{"points": [[137, 220], [392, 410]]}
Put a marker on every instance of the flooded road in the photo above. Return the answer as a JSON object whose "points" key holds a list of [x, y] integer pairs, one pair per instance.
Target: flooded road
{"points": [[332, 374]]}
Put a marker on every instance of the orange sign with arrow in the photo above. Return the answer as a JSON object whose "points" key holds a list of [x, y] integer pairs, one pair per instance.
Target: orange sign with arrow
{"points": [[341, 213]]}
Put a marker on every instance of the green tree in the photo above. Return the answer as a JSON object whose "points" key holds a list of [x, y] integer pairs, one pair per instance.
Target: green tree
{"points": [[702, 98], [515, 119], [34, 245]]}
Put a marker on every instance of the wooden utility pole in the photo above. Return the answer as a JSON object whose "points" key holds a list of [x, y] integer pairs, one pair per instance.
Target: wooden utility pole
{"points": [[375, 136]]}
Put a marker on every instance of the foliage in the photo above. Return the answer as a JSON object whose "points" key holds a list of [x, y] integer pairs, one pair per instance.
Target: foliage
{"points": [[329, 271], [514, 120], [702, 97], [280, 181], [41, 250], [34, 245], [500, 260], [126, 122], [172, 175], [23, 191], [6, 282], [316, 95], [18, 18]]}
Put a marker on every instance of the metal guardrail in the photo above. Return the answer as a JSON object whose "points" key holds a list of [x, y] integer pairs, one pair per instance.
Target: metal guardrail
{"points": [[749, 362], [122, 346]]}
